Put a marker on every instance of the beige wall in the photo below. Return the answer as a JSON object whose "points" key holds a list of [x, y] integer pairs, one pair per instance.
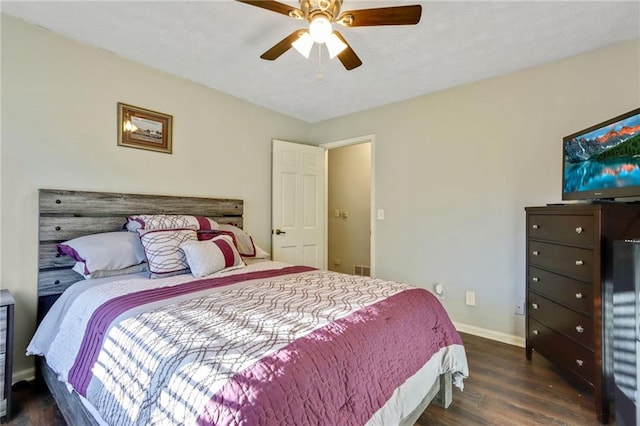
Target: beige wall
{"points": [[349, 189], [59, 131], [455, 169]]}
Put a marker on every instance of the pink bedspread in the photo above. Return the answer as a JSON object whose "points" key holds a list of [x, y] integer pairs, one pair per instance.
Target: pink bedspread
{"points": [[284, 346], [344, 371]]}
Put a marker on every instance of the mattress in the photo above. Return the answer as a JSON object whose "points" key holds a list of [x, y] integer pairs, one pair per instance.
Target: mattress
{"points": [[263, 344]]}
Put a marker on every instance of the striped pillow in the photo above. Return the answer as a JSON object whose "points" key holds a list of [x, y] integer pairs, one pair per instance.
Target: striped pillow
{"points": [[162, 248], [169, 221], [206, 257]]}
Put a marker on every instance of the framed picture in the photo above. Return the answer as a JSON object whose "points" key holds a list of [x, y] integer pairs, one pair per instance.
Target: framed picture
{"points": [[144, 129]]}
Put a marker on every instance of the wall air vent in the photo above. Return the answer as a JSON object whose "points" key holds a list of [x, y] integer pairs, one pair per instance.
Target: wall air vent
{"points": [[362, 270]]}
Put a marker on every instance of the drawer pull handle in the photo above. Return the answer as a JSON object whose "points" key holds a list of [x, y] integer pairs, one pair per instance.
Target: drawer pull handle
{"points": [[56, 282], [57, 228], [535, 226], [579, 230], [579, 362], [535, 252], [579, 296], [579, 262], [580, 329], [535, 279], [534, 305], [535, 332]]}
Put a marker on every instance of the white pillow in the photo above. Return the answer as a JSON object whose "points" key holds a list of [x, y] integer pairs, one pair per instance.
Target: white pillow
{"points": [[207, 257], [243, 240], [260, 253], [79, 268], [163, 252], [104, 251]]}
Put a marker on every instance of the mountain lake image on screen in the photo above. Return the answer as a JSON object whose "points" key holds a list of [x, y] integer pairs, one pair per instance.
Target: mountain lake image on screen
{"points": [[603, 161]]}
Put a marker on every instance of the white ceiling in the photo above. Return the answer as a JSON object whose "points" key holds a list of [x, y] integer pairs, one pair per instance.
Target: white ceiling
{"points": [[218, 44]]}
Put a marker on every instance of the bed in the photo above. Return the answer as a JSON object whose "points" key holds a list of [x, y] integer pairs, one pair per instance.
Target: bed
{"points": [[265, 343]]}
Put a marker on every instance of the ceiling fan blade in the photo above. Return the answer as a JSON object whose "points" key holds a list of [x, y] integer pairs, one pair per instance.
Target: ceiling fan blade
{"points": [[348, 57], [398, 15], [275, 6], [282, 46]]}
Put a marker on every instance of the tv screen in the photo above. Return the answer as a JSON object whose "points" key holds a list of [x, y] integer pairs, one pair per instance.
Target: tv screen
{"points": [[603, 161]]}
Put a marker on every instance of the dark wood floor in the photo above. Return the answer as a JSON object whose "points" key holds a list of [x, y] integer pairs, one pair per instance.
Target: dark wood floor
{"points": [[503, 389], [34, 405]]}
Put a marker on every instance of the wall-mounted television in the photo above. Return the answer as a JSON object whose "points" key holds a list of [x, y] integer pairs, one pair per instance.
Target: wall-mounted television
{"points": [[602, 162]]}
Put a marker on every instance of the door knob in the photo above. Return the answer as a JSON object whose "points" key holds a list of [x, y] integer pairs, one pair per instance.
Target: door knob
{"points": [[278, 232]]}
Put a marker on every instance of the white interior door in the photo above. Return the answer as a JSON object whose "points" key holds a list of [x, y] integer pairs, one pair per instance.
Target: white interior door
{"points": [[298, 203]]}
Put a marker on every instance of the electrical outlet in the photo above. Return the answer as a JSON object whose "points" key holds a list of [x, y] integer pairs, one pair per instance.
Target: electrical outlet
{"points": [[470, 298], [519, 309]]}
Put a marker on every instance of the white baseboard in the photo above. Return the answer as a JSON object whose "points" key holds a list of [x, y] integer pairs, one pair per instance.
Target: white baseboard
{"points": [[27, 374], [491, 334]]}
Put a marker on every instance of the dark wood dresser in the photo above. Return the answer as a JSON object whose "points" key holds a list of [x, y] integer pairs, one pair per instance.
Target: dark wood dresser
{"points": [[569, 288]]}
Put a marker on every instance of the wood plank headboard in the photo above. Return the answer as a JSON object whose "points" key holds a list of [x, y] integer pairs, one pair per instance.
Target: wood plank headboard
{"points": [[65, 215]]}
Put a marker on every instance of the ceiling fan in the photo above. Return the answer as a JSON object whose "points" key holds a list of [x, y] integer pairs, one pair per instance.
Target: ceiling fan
{"points": [[321, 14]]}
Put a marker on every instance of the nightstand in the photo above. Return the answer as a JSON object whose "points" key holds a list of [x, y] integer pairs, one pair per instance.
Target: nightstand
{"points": [[6, 353]]}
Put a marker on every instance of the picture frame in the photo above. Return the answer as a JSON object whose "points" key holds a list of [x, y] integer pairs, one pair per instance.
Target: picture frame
{"points": [[142, 128]]}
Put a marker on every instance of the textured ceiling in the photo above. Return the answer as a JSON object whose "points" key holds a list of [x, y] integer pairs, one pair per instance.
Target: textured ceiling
{"points": [[218, 44]]}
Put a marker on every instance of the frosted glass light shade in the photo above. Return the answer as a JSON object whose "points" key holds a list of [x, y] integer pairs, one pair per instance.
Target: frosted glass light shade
{"points": [[320, 29], [335, 46], [303, 44]]}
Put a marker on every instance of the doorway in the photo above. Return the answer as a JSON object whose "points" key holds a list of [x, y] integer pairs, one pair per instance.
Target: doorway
{"points": [[350, 228]]}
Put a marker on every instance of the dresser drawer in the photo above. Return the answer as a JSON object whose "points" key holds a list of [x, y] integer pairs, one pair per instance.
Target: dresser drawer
{"points": [[563, 320], [574, 294], [570, 261], [569, 229], [562, 350]]}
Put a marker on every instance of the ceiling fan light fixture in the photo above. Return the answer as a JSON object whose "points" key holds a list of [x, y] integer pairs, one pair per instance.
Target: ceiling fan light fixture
{"points": [[296, 14], [335, 46], [303, 44], [324, 4], [320, 29], [320, 14], [345, 20]]}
